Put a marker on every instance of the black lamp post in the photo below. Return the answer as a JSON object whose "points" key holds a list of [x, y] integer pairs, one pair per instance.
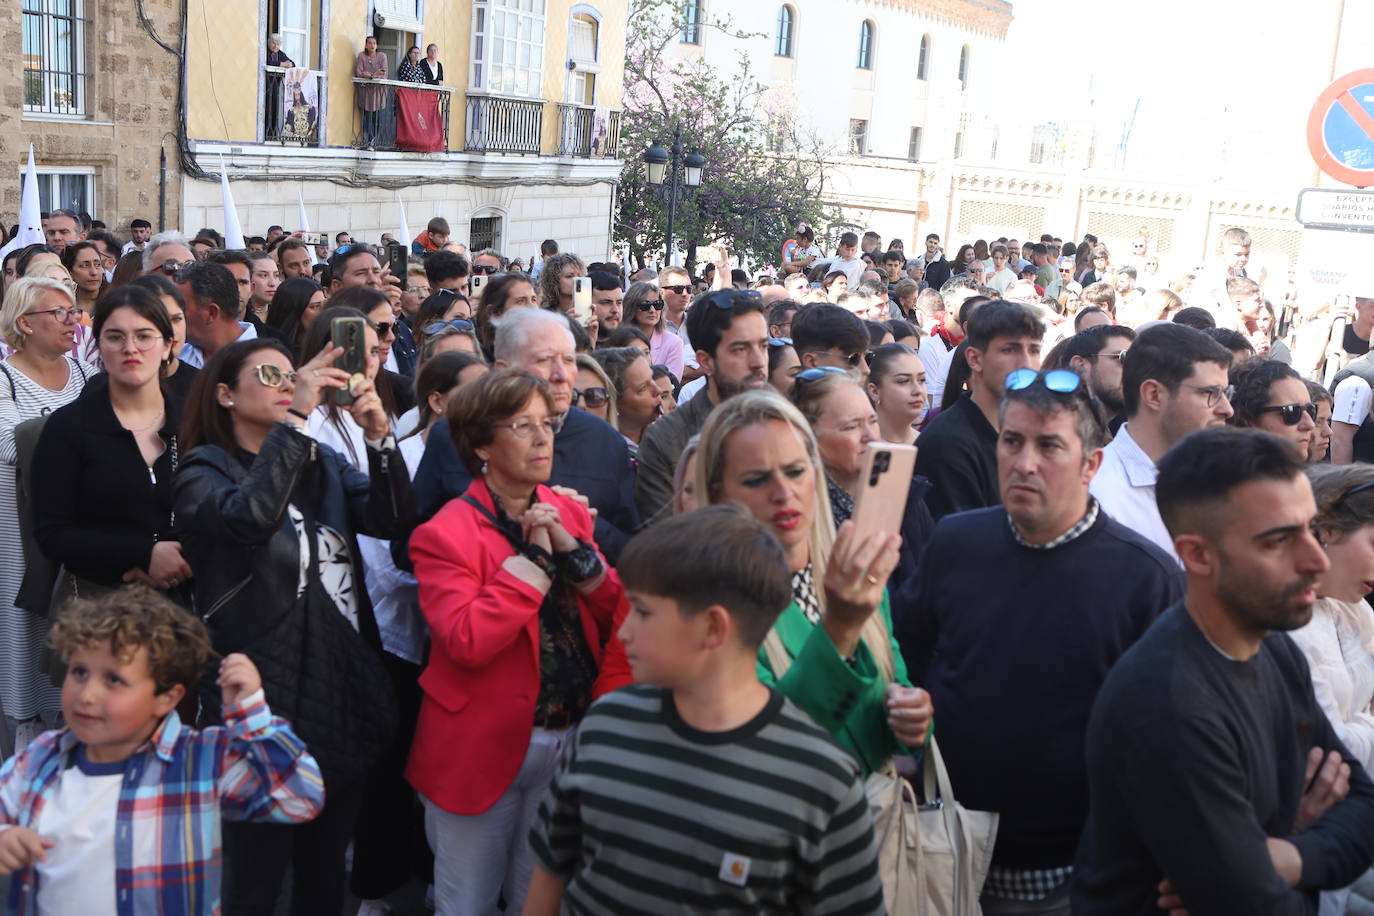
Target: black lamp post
{"points": [[657, 161]]}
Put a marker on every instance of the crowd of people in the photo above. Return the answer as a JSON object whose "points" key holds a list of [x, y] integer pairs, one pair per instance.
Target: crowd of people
{"points": [[555, 607]]}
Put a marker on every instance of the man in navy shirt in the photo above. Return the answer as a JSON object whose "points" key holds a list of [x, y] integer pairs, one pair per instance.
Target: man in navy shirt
{"points": [[589, 456], [1013, 659]]}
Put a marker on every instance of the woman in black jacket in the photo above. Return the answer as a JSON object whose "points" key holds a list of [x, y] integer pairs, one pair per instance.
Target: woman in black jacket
{"points": [[102, 471], [256, 497]]}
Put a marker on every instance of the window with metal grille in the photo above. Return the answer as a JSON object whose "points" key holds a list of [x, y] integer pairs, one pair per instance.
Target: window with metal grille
{"points": [[1266, 242], [56, 80], [986, 217], [858, 137], [1118, 230], [923, 61], [484, 232], [867, 32], [786, 18], [508, 47], [691, 22], [913, 146]]}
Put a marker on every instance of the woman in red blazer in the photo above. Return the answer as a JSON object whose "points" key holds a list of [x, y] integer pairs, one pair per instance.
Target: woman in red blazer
{"points": [[519, 604]]}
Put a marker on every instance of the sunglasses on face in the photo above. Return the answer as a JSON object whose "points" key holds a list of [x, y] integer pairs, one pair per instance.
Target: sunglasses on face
{"points": [[653, 305], [170, 268], [676, 288], [484, 269], [592, 397], [1291, 414], [383, 328], [272, 375]]}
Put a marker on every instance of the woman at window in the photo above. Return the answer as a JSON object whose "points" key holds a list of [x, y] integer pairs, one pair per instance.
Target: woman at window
{"points": [[371, 64], [433, 69], [276, 57], [410, 70]]}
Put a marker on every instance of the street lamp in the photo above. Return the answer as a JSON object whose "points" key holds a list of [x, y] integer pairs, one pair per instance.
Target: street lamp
{"points": [[658, 161]]}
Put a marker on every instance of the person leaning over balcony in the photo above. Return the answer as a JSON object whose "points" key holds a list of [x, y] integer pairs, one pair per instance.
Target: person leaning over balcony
{"points": [[276, 57], [433, 69], [410, 71], [371, 64]]}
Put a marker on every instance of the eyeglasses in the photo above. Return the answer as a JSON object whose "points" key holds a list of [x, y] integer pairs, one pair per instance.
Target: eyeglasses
{"points": [[62, 315], [1214, 392], [652, 305], [1116, 356], [820, 372], [594, 397], [143, 340], [1060, 381], [485, 269], [170, 268], [1291, 414], [272, 375], [460, 324], [779, 341], [418, 290], [524, 429], [383, 328]]}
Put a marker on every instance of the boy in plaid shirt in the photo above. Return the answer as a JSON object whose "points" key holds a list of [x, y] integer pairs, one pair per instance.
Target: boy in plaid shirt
{"points": [[120, 811]]}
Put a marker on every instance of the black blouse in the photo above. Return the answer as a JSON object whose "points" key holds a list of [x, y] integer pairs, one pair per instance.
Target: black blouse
{"points": [[432, 76]]}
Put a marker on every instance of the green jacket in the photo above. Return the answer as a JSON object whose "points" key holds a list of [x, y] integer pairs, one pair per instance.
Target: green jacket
{"points": [[846, 700]]}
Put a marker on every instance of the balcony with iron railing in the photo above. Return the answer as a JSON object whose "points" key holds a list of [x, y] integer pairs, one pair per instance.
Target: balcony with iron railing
{"points": [[499, 124], [587, 132], [403, 116], [296, 121]]}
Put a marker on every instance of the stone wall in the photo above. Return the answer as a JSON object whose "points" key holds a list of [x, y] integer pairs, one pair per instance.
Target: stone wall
{"points": [[131, 107]]}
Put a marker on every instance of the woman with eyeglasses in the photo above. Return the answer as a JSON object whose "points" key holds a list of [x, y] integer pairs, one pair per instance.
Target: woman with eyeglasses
{"points": [[294, 307], [592, 389], [1272, 397], [1338, 641], [86, 266], [38, 322], [269, 518], [897, 388], [47, 266], [783, 364], [103, 467], [500, 295], [519, 602], [636, 396], [644, 304]]}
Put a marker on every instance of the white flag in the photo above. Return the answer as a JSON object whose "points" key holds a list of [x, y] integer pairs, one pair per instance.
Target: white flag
{"points": [[304, 223], [404, 237], [233, 232]]}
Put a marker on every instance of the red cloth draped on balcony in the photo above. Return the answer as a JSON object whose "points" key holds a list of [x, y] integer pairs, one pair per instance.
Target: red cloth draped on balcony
{"points": [[419, 125]]}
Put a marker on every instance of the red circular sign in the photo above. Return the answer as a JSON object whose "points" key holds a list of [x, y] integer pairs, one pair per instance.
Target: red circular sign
{"points": [[1341, 128]]}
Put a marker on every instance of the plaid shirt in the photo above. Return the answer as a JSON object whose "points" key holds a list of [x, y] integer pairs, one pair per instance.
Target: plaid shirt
{"points": [[175, 789]]}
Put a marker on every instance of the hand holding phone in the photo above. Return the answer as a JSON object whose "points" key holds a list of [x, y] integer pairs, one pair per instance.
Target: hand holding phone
{"points": [[582, 298], [351, 335], [880, 503]]}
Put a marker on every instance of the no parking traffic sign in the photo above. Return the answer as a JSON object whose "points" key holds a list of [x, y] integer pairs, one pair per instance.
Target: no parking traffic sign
{"points": [[1340, 130]]}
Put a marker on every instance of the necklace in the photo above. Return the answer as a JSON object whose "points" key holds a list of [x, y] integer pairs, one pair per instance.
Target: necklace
{"points": [[143, 429]]}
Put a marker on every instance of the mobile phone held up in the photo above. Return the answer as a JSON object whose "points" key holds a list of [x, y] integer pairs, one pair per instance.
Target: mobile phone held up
{"points": [[314, 238], [396, 260], [582, 299], [351, 334], [880, 503], [475, 284]]}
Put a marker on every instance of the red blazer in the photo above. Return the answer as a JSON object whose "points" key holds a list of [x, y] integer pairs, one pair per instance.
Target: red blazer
{"points": [[481, 602]]}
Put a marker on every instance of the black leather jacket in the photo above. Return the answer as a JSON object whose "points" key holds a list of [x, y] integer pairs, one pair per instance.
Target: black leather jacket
{"points": [[237, 536]]}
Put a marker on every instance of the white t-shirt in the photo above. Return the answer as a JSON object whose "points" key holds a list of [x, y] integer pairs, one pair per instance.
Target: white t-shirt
{"points": [[853, 269], [1001, 280], [936, 357], [1352, 399], [80, 819], [690, 389]]}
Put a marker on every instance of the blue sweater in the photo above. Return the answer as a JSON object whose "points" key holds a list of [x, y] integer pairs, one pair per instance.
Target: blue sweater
{"points": [[1013, 644]]}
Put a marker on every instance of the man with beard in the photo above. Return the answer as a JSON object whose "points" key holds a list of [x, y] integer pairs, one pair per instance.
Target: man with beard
{"points": [[730, 333], [1206, 736], [1096, 353], [1173, 382], [1008, 627]]}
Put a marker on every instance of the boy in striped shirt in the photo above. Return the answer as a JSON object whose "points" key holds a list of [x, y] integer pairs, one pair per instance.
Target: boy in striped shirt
{"points": [[120, 811], [699, 789]]}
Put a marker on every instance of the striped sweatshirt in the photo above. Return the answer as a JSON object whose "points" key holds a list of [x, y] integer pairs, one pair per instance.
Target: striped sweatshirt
{"points": [[649, 815]]}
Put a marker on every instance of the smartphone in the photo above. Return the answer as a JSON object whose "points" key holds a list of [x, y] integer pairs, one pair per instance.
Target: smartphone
{"points": [[582, 298], [881, 501], [396, 260], [314, 238], [475, 284], [351, 334]]}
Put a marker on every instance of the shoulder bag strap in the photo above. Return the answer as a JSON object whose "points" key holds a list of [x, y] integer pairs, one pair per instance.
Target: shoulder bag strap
{"points": [[495, 522]]}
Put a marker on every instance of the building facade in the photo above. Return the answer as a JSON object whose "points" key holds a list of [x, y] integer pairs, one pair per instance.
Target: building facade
{"points": [[516, 145], [95, 91]]}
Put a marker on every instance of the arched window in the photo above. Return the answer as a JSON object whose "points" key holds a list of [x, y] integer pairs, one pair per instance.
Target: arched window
{"points": [[786, 20], [963, 67], [923, 61], [867, 32]]}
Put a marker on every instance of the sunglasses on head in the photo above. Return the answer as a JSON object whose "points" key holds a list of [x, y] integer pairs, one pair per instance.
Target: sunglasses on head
{"points": [[779, 341], [272, 375], [1291, 414], [461, 324], [678, 288], [652, 305], [820, 372], [593, 397], [1060, 381], [729, 299]]}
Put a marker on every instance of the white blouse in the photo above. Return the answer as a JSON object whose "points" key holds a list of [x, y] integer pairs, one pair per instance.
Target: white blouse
{"points": [[1339, 644]]}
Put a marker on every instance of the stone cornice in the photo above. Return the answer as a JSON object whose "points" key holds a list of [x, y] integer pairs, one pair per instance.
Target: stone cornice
{"points": [[1028, 185], [986, 17]]}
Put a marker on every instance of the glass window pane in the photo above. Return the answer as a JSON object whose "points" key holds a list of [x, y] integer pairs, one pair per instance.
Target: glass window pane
{"points": [[72, 189], [524, 56]]}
